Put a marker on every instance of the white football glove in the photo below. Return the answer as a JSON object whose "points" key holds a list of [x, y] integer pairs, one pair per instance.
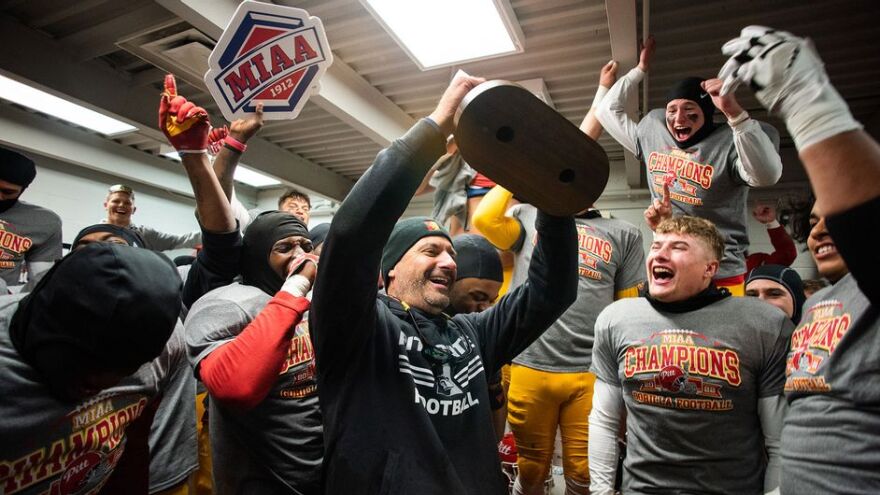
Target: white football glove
{"points": [[789, 79], [296, 284]]}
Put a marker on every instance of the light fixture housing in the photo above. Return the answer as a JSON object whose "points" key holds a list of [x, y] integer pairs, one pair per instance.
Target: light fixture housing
{"points": [[449, 32], [60, 108]]}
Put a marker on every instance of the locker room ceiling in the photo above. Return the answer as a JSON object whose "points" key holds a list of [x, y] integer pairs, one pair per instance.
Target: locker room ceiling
{"points": [[112, 55]]}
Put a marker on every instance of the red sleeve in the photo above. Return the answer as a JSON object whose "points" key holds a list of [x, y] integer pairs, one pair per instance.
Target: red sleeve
{"points": [[241, 372], [785, 251], [755, 260]]}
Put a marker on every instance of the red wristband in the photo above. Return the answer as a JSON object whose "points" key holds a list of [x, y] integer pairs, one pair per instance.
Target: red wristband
{"points": [[235, 144]]}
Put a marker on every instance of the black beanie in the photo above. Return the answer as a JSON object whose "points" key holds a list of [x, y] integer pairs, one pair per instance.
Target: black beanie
{"points": [[689, 89], [131, 237], [405, 234], [318, 233], [16, 168], [788, 278], [268, 228], [475, 257], [114, 304]]}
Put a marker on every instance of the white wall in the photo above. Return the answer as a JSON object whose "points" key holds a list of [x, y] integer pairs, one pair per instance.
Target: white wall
{"points": [[77, 195]]}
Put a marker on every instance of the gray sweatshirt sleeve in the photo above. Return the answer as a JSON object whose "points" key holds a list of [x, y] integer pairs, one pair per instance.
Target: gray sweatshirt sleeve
{"points": [[603, 449], [758, 161], [771, 412], [161, 241], [612, 110]]}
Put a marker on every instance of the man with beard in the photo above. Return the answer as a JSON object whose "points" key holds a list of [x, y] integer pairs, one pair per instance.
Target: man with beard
{"points": [[30, 234], [403, 387], [708, 168], [698, 374]]}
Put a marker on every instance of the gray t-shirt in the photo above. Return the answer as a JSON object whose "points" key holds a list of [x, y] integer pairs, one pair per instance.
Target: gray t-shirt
{"points": [[27, 233], [707, 183], [831, 435], [691, 383], [50, 446], [276, 447], [162, 241], [174, 446], [610, 258]]}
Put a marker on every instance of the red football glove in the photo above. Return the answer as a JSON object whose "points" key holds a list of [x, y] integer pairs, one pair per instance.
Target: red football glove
{"points": [[183, 123], [215, 139]]}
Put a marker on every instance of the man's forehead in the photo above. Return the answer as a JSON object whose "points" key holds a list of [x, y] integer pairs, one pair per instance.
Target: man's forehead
{"points": [[433, 240], [119, 195], [670, 237], [763, 283], [681, 102]]}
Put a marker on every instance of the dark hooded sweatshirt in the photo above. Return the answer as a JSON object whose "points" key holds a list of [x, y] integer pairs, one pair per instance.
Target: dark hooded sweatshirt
{"points": [[395, 420]]}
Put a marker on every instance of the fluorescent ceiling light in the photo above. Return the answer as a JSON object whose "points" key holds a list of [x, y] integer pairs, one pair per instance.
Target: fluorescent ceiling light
{"points": [[437, 33], [253, 178], [243, 174], [44, 102]]}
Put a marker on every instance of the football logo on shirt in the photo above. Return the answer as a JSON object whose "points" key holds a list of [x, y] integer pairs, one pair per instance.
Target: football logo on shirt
{"points": [[689, 175], [814, 341], [682, 369]]}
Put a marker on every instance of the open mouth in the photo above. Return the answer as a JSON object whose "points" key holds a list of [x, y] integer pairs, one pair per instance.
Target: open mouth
{"points": [[662, 274], [681, 133], [441, 282]]}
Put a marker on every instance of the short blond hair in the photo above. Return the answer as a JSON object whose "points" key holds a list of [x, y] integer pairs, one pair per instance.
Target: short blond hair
{"points": [[700, 228]]}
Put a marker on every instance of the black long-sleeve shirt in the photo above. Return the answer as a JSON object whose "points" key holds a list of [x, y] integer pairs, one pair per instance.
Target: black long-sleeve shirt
{"points": [[396, 421]]}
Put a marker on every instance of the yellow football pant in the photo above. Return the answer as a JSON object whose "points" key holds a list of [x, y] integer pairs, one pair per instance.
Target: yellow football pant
{"points": [[538, 402]]}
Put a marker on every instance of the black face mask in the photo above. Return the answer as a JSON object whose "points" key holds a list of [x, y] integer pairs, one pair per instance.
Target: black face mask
{"points": [[6, 204], [261, 235]]}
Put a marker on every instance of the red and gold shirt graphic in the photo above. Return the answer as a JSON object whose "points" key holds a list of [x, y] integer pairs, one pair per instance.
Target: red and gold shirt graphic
{"points": [[86, 448], [682, 369], [812, 343], [298, 370], [12, 246], [592, 250], [688, 176]]}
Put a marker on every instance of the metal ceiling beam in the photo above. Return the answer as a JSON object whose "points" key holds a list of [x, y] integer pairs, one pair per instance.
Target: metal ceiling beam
{"points": [[100, 39], [343, 92], [41, 60], [625, 49]]}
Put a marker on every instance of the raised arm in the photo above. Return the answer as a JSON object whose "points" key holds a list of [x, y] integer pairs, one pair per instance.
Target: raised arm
{"points": [[241, 372], [524, 314], [344, 300], [490, 219], [841, 160], [186, 126], [612, 110], [607, 75], [758, 162]]}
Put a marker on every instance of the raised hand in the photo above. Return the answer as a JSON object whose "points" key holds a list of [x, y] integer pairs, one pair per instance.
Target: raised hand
{"points": [[608, 74], [660, 209], [764, 213], [244, 129], [184, 124], [725, 102], [444, 114], [646, 54], [789, 79]]}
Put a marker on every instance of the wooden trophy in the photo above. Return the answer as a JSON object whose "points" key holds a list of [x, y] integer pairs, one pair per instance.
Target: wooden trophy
{"points": [[517, 140]]}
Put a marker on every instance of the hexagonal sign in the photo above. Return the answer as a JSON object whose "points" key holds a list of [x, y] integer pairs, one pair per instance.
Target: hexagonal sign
{"points": [[270, 54]]}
